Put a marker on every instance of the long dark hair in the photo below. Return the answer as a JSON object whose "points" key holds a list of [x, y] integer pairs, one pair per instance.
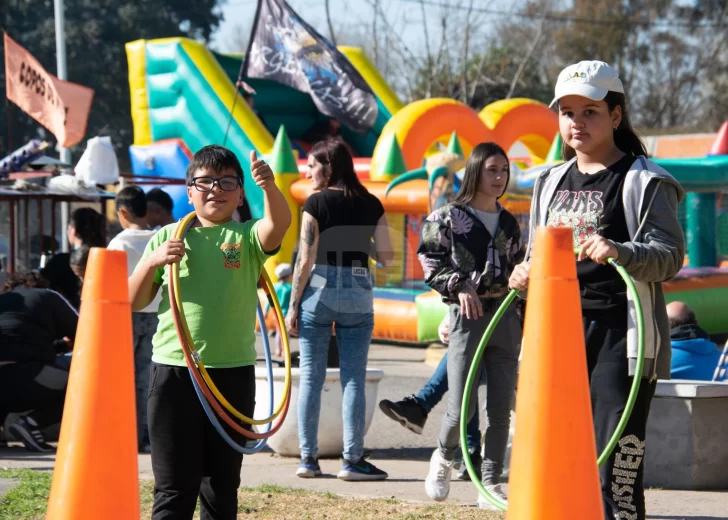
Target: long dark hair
{"points": [[474, 169], [625, 137], [90, 226], [337, 156], [32, 280]]}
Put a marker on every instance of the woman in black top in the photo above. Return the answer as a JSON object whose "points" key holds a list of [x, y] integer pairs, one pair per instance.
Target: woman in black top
{"points": [[332, 286], [35, 326]]}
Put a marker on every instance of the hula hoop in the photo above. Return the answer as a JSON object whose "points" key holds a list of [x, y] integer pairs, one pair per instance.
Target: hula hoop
{"points": [[211, 415], [197, 369], [637, 379]]}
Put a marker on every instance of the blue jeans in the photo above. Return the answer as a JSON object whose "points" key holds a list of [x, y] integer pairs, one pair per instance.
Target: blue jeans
{"points": [[435, 389], [340, 296]]}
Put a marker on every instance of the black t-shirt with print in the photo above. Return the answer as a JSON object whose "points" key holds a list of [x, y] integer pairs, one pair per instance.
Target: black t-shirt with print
{"points": [[346, 226], [592, 204]]}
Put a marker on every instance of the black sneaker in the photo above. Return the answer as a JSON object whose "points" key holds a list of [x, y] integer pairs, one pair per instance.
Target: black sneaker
{"points": [[408, 412], [477, 459], [361, 470], [26, 430], [309, 468]]}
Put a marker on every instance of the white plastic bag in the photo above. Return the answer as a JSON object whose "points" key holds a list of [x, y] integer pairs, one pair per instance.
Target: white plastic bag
{"points": [[98, 164]]}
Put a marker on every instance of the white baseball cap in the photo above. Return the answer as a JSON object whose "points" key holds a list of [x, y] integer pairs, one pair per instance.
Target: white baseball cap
{"points": [[282, 270], [590, 79]]}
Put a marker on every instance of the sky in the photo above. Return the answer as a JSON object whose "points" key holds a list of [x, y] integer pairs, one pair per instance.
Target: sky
{"points": [[404, 15]]}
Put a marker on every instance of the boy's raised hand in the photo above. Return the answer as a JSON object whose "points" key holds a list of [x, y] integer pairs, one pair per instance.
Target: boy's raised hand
{"points": [[169, 252], [262, 174]]}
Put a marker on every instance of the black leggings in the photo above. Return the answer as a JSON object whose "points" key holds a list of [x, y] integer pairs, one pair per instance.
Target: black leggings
{"points": [[35, 387], [189, 457], [622, 474]]}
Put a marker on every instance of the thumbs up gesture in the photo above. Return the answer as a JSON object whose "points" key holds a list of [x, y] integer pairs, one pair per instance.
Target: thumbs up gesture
{"points": [[261, 172]]}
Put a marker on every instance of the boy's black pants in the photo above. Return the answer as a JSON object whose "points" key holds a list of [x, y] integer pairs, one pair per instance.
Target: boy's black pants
{"points": [[189, 457], [623, 473]]}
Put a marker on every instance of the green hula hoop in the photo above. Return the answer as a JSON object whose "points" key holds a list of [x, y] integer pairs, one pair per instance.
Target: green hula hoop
{"points": [[479, 356]]}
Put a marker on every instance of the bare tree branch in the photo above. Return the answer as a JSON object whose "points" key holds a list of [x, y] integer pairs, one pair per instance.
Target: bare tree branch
{"points": [[531, 48], [332, 36], [428, 59], [477, 78], [411, 58], [448, 62], [464, 56]]}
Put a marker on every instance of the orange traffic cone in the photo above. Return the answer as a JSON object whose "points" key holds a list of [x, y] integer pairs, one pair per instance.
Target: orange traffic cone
{"points": [[96, 472], [554, 474]]}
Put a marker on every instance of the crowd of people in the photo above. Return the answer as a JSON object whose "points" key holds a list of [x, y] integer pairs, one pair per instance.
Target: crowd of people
{"points": [[616, 202], [39, 315]]}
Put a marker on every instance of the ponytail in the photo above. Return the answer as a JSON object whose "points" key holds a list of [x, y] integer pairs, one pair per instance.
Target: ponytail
{"points": [[625, 138]]}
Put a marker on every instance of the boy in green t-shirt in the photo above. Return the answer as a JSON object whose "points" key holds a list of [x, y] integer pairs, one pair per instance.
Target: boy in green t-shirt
{"points": [[220, 263]]}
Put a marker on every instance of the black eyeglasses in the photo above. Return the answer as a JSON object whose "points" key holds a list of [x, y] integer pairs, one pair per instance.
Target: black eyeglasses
{"points": [[227, 183]]}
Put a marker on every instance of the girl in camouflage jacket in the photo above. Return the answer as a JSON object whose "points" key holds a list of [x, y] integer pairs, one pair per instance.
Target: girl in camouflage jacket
{"points": [[468, 251]]}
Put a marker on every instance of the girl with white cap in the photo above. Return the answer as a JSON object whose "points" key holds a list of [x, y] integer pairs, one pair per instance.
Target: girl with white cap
{"points": [[620, 205]]}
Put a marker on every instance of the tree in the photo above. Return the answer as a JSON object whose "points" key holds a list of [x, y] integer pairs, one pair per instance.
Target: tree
{"points": [[671, 56], [487, 78], [96, 31]]}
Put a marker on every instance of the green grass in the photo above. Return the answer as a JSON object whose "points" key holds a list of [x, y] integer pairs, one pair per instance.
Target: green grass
{"points": [[27, 500], [273, 489]]}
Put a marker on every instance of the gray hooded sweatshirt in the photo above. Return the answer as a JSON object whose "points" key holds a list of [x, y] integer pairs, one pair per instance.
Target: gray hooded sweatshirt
{"points": [[654, 255]]}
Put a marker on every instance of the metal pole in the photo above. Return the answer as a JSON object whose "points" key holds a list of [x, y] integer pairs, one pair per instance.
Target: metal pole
{"points": [[65, 153]]}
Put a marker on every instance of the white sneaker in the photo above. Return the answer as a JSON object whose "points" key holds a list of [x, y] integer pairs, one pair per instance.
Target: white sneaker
{"points": [[437, 483], [497, 491]]}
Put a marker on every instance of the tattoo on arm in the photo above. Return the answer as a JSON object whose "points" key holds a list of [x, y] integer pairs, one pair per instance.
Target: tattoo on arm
{"points": [[300, 279], [309, 233], [296, 282]]}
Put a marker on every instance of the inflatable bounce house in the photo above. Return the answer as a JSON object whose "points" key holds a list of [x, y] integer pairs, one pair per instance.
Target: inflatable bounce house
{"points": [[182, 94]]}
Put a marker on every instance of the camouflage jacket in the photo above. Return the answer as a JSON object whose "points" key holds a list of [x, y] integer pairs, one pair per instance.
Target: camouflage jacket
{"points": [[457, 249]]}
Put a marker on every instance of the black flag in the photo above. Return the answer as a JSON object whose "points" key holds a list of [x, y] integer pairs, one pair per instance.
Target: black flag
{"points": [[285, 49]]}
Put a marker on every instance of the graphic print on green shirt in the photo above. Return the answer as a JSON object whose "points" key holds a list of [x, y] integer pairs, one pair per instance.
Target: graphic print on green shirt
{"points": [[218, 279]]}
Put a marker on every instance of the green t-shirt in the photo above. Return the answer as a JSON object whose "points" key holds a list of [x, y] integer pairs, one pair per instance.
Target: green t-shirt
{"points": [[218, 277]]}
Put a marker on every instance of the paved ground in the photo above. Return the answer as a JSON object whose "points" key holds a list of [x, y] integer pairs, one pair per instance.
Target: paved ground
{"points": [[402, 454]]}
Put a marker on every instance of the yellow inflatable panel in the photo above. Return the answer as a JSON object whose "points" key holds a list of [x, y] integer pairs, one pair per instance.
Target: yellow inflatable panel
{"points": [[394, 272], [492, 114], [284, 255], [525, 120], [418, 125], [138, 90], [211, 70]]}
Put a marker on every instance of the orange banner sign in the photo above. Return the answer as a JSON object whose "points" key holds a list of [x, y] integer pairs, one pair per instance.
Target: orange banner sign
{"points": [[60, 106]]}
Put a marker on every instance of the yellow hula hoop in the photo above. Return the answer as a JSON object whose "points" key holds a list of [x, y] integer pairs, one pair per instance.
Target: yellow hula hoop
{"points": [[179, 234]]}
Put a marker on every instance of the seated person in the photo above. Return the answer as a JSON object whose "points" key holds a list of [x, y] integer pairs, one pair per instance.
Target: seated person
{"points": [[59, 276], [694, 356], [36, 325]]}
